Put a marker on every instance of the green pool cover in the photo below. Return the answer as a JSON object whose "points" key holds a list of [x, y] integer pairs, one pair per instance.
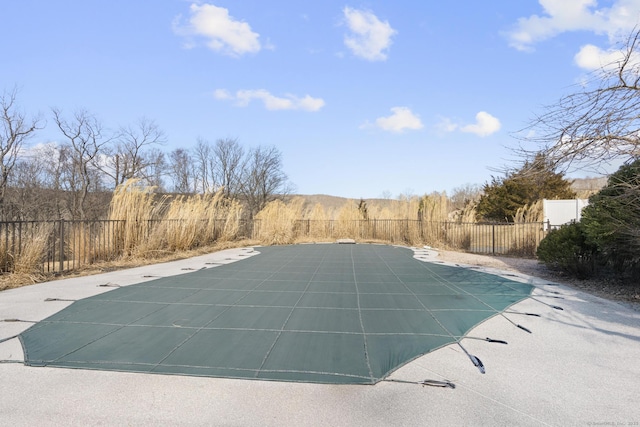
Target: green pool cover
{"points": [[323, 313]]}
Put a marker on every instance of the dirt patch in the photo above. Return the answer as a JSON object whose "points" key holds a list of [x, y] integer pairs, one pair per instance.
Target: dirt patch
{"points": [[625, 293]]}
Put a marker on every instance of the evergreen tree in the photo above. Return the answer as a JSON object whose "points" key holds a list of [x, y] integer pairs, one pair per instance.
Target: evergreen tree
{"points": [[612, 219], [536, 180]]}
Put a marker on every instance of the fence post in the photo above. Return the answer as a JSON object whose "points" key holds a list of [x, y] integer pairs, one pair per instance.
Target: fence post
{"points": [[493, 239], [61, 245]]}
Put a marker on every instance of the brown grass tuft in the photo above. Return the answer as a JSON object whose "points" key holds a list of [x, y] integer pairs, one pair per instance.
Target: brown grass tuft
{"points": [[29, 260], [138, 206], [278, 222]]}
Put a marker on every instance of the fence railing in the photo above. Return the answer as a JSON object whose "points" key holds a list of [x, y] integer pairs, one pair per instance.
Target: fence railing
{"points": [[56, 246], [520, 239]]}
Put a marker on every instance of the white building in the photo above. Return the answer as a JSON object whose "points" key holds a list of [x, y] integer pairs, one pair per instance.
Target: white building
{"points": [[558, 212]]}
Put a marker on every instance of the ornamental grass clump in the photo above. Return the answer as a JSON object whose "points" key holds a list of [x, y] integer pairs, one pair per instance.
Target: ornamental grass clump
{"points": [[527, 229], [137, 207], [185, 224], [155, 225], [318, 225], [190, 222], [278, 220], [347, 224], [29, 260]]}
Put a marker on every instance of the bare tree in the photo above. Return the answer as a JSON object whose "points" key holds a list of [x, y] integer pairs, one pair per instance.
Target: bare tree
{"points": [[156, 168], [181, 173], [228, 154], [86, 139], [55, 165], [39, 182], [598, 123], [204, 166], [386, 195], [262, 178], [130, 156], [465, 194], [15, 130]]}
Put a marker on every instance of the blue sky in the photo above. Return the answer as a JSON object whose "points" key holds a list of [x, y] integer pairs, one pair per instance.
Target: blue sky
{"points": [[362, 98]]}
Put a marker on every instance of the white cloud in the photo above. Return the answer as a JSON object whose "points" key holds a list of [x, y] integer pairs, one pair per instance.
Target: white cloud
{"points": [[243, 97], [402, 119], [574, 15], [593, 58], [222, 32], [222, 94], [485, 125], [369, 38], [446, 125]]}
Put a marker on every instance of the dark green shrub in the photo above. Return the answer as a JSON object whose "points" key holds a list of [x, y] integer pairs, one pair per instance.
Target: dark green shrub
{"points": [[536, 180], [567, 249], [611, 222]]}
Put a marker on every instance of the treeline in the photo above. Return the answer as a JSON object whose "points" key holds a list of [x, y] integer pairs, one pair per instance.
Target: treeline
{"points": [[75, 177]]}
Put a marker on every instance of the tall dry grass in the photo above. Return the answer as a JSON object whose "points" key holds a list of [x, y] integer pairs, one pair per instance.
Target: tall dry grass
{"points": [[433, 209], [403, 208], [156, 225], [30, 257], [348, 221], [527, 228], [459, 234], [25, 261], [278, 220], [412, 220], [318, 224], [138, 206], [189, 222]]}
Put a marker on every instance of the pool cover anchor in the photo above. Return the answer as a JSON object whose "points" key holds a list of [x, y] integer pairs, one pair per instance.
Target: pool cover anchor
{"points": [[427, 382], [476, 362], [434, 383], [109, 285], [523, 313], [487, 339], [523, 328], [555, 307]]}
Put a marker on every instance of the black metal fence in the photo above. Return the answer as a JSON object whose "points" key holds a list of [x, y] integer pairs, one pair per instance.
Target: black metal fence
{"points": [[481, 238], [60, 245], [55, 246]]}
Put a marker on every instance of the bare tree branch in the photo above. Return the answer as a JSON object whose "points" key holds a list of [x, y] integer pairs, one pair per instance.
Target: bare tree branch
{"points": [[229, 154], [262, 178], [86, 140], [599, 123], [131, 155], [204, 166], [15, 130], [181, 171]]}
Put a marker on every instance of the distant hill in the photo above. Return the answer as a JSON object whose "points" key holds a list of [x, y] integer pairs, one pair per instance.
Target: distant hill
{"points": [[326, 201], [335, 203], [584, 187], [589, 183]]}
